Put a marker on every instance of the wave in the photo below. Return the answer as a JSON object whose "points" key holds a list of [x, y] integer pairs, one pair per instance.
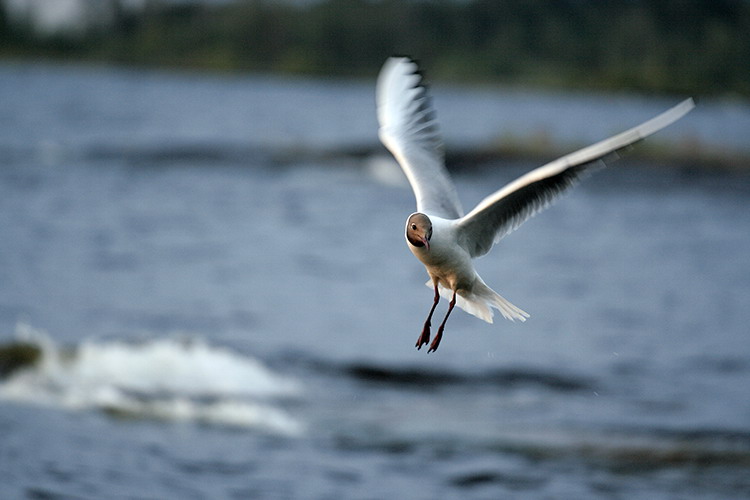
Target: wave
{"points": [[425, 378], [604, 443], [619, 448], [634, 447], [503, 377], [170, 379]]}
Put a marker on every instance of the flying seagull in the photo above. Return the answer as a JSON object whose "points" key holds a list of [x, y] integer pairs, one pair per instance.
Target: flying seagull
{"points": [[438, 233]]}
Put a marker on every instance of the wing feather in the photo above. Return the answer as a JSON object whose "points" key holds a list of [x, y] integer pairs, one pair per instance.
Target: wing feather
{"points": [[409, 129], [508, 208]]}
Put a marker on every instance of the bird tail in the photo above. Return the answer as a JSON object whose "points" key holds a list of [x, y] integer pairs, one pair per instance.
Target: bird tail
{"points": [[480, 301]]}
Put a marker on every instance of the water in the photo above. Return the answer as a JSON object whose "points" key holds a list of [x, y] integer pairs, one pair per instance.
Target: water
{"points": [[222, 317]]}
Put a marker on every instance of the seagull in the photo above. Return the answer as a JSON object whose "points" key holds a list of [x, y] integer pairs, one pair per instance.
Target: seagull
{"points": [[438, 233]]}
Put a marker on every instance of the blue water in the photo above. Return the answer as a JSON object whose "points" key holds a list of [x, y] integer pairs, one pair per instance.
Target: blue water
{"points": [[225, 315]]}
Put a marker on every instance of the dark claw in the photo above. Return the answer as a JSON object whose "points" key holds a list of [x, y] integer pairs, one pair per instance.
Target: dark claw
{"points": [[436, 340], [424, 338]]}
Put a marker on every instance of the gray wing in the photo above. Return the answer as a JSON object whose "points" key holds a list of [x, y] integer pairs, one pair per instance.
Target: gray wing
{"points": [[506, 209], [409, 129]]}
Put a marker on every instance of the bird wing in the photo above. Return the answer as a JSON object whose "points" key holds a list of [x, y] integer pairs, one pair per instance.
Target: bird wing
{"points": [[409, 129], [508, 208]]}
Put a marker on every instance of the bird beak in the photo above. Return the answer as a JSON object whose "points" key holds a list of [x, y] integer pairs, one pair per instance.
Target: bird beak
{"points": [[426, 243]]}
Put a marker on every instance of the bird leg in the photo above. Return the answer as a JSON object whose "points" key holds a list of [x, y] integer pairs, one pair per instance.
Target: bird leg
{"points": [[424, 338], [439, 336]]}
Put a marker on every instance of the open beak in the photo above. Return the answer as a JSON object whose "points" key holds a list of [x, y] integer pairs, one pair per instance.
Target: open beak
{"points": [[426, 243]]}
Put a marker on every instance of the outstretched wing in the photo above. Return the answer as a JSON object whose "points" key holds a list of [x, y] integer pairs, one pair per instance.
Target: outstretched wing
{"points": [[409, 129], [506, 209]]}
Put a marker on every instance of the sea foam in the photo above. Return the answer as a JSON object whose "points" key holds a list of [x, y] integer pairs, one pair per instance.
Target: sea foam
{"points": [[170, 379]]}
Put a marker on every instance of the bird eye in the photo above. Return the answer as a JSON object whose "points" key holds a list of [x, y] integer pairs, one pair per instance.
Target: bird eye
{"points": [[413, 227]]}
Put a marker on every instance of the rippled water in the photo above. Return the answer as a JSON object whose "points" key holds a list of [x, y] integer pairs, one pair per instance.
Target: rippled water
{"points": [[222, 318]]}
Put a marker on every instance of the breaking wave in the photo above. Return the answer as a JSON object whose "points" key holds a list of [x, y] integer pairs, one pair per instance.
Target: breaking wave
{"points": [[168, 379]]}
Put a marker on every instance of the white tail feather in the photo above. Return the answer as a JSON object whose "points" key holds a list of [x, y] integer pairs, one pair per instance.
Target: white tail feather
{"points": [[480, 301]]}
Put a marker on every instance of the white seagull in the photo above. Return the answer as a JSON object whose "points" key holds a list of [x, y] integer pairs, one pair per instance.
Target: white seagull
{"points": [[438, 233]]}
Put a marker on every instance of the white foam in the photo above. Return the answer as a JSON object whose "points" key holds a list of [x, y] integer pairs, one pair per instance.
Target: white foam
{"points": [[168, 378]]}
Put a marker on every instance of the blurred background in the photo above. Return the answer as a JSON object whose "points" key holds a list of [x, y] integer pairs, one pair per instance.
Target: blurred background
{"points": [[669, 46], [205, 290]]}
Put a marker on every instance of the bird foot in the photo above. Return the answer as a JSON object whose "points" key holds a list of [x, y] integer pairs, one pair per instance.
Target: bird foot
{"points": [[436, 340], [424, 338]]}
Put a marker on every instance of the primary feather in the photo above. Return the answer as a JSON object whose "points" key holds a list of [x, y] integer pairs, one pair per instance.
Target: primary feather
{"points": [[409, 129]]}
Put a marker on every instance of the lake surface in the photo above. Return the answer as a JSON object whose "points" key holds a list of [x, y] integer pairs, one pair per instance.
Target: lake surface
{"points": [[223, 317]]}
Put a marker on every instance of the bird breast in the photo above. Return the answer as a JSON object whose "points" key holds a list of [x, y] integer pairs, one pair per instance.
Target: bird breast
{"points": [[446, 260]]}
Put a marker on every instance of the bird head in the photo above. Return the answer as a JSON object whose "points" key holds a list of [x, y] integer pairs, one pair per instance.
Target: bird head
{"points": [[419, 230]]}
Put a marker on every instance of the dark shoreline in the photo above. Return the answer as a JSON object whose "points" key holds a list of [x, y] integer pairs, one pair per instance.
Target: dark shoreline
{"points": [[656, 47]]}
